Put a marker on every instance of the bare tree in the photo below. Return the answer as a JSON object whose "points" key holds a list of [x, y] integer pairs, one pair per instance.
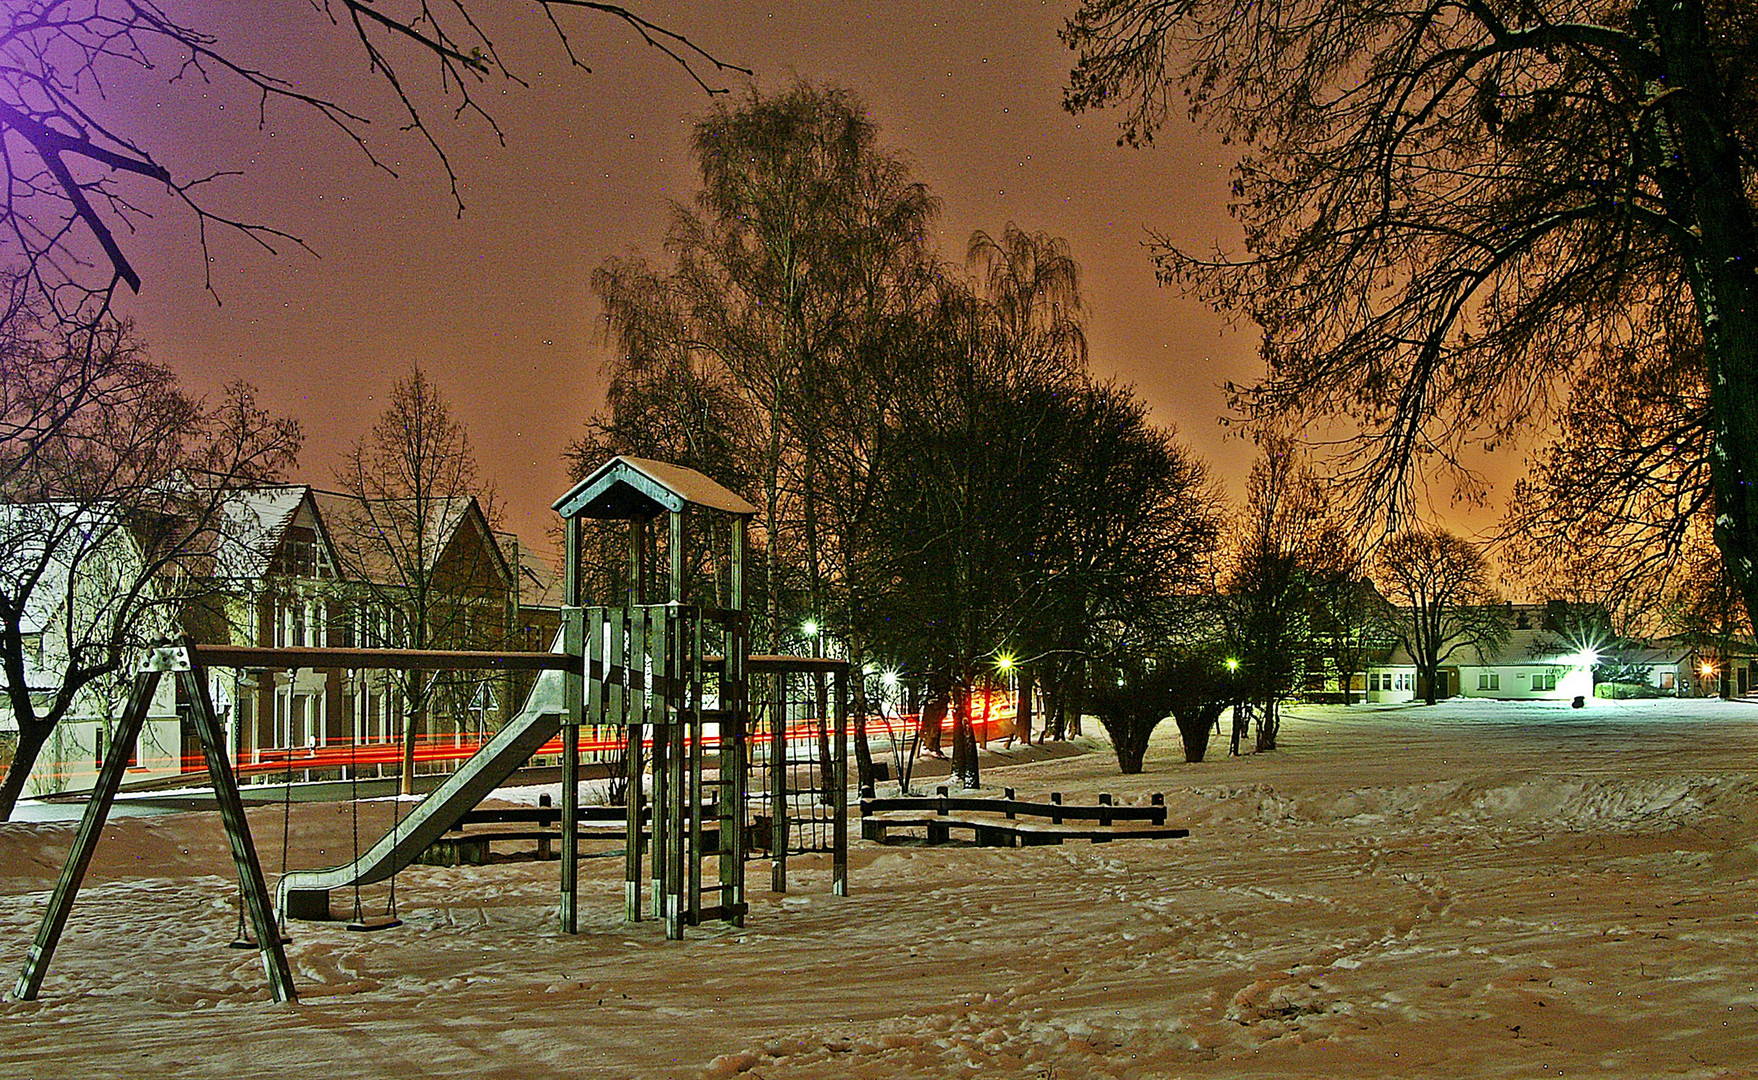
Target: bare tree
{"points": [[1280, 540], [405, 542], [1618, 508], [1450, 207], [113, 484], [1438, 585], [76, 172]]}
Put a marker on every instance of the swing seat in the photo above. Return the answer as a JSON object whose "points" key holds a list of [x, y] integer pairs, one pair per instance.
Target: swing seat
{"points": [[374, 923], [245, 941]]}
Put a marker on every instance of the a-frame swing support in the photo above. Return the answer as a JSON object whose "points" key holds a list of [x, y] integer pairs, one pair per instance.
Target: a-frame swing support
{"points": [[255, 894]]}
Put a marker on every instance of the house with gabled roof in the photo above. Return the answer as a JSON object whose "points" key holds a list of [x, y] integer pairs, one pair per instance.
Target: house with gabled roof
{"points": [[1535, 661], [295, 565], [283, 588], [81, 558]]}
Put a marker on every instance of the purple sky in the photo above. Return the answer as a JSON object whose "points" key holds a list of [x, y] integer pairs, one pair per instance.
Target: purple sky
{"points": [[495, 303]]}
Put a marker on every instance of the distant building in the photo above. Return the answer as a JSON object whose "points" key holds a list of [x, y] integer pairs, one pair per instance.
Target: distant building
{"points": [[1536, 662], [294, 565]]}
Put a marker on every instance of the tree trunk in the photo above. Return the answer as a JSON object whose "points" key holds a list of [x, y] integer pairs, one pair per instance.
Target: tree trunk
{"points": [[1268, 724], [1130, 743], [406, 783], [31, 738], [863, 753], [933, 718], [1705, 187], [1022, 710], [964, 739], [1195, 729], [1076, 686]]}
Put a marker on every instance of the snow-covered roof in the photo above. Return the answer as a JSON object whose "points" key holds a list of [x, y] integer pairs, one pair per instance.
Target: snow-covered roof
{"points": [[251, 527], [359, 530], [631, 487]]}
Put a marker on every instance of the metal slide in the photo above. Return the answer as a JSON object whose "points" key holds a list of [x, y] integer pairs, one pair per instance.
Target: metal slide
{"points": [[305, 894]]}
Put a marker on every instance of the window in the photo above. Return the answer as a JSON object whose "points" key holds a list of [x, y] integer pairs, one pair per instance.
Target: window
{"points": [[1407, 680], [1489, 680], [1669, 680], [1544, 680], [33, 649]]}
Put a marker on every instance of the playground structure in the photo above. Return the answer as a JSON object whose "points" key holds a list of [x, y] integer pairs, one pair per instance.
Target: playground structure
{"points": [[673, 679]]}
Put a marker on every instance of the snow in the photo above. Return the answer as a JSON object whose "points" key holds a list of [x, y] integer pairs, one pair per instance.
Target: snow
{"points": [[1473, 889]]}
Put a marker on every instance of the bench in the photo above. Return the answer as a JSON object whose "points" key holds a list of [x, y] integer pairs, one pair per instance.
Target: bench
{"points": [[467, 842], [996, 822]]}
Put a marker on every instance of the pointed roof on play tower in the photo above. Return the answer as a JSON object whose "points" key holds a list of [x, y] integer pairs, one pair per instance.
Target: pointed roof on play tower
{"points": [[630, 488]]}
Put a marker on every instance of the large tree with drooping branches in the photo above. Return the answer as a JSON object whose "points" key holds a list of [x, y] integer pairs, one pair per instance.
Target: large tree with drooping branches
{"points": [[1453, 208]]}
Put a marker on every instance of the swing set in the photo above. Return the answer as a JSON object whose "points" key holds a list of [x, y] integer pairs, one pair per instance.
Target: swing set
{"points": [[663, 673]]}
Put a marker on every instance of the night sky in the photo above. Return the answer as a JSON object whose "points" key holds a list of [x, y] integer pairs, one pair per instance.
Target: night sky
{"points": [[495, 303]]}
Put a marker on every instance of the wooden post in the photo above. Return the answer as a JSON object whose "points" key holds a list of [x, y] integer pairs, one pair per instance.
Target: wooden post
{"points": [[676, 774], [691, 669], [778, 782], [736, 705], [736, 573], [839, 790], [623, 712], [646, 644], [734, 711], [632, 648], [85, 839], [574, 644], [255, 890]]}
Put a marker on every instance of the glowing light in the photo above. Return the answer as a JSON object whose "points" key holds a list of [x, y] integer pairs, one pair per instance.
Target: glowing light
{"points": [[1232, 664], [1707, 669], [810, 626], [889, 680], [1004, 663], [1585, 658]]}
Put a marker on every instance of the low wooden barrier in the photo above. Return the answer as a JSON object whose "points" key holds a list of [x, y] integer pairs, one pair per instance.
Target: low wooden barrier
{"points": [[1012, 822]]}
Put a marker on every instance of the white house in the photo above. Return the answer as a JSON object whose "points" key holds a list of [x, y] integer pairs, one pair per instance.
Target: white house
{"points": [[1392, 680], [82, 559], [1533, 664]]}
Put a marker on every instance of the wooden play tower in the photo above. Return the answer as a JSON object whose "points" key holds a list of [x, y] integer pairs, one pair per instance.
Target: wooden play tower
{"points": [[675, 676], [649, 669]]}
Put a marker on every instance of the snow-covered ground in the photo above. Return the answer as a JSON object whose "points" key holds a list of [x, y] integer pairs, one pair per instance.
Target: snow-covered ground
{"points": [[1474, 889]]}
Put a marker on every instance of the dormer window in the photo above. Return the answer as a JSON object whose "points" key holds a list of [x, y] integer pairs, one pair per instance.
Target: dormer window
{"points": [[302, 555]]}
